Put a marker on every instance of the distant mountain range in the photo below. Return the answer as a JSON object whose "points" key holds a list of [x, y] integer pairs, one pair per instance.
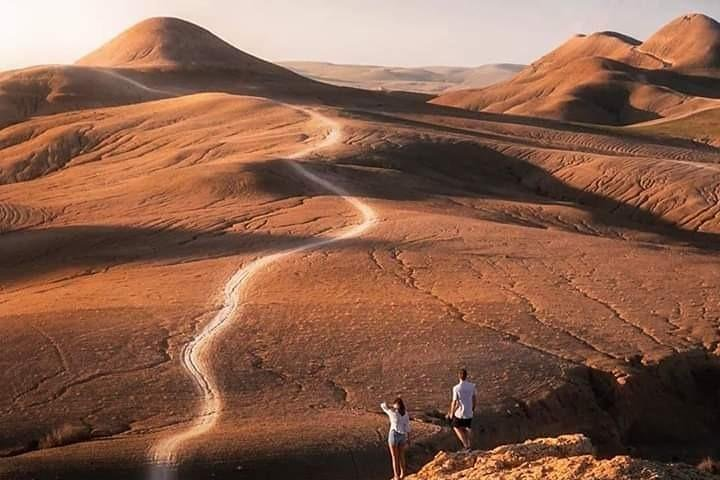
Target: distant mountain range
{"points": [[432, 80]]}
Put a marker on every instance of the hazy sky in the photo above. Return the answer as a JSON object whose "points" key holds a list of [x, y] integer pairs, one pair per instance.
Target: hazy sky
{"points": [[388, 32]]}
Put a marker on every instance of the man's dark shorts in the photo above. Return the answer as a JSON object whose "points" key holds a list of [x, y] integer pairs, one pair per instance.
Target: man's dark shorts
{"points": [[461, 422]]}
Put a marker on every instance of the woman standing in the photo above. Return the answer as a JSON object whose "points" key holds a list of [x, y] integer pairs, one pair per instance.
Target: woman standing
{"points": [[398, 436]]}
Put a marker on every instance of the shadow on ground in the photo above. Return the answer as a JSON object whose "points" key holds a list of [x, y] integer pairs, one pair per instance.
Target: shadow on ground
{"points": [[667, 411], [430, 170], [29, 253]]}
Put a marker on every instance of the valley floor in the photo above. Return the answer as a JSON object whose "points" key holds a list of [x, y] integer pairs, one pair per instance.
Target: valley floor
{"points": [[574, 274]]}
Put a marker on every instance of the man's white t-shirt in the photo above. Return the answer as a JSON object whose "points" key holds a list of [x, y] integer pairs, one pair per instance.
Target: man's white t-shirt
{"points": [[463, 392]]}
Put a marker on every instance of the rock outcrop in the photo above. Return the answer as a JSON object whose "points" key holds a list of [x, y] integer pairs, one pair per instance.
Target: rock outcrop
{"points": [[568, 457]]}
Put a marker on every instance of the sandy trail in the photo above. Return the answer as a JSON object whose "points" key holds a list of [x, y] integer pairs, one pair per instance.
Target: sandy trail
{"points": [[164, 454], [112, 73]]}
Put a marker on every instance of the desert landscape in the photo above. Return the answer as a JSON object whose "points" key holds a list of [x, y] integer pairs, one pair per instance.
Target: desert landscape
{"points": [[213, 266], [428, 80]]}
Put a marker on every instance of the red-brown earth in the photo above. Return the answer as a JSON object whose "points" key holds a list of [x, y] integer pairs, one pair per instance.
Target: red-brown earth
{"points": [[572, 270]]}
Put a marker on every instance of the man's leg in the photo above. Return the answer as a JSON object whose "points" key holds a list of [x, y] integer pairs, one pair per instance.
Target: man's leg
{"points": [[460, 435], [468, 438], [464, 436]]}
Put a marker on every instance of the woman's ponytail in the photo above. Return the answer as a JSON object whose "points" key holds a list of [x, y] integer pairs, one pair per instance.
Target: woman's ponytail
{"points": [[400, 406]]}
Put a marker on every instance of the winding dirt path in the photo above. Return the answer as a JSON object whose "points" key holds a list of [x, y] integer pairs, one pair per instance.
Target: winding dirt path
{"points": [[165, 453]]}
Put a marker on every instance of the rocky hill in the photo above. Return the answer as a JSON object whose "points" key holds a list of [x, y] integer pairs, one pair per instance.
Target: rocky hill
{"points": [[612, 79]]}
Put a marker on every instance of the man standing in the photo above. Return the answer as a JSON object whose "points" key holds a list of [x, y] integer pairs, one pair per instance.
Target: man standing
{"points": [[461, 409]]}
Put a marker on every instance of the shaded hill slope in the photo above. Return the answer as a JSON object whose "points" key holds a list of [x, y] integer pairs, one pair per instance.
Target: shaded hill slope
{"points": [[53, 89]]}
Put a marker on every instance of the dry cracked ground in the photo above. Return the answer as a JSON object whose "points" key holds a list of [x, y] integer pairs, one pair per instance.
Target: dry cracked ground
{"points": [[572, 270]]}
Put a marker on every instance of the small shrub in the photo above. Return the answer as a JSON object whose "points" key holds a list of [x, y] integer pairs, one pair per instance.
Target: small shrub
{"points": [[65, 435], [709, 465]]}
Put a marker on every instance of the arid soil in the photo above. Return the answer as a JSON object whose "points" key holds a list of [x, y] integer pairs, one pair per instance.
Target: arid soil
{"points": [[702, 126], [572, 270]]}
